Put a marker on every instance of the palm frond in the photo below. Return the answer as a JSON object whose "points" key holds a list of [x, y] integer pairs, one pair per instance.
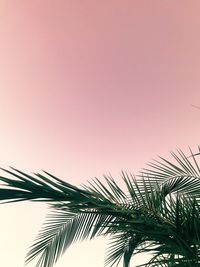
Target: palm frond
{"points": [[61, 229], [182, 175], [159, 213], [121, 247]]}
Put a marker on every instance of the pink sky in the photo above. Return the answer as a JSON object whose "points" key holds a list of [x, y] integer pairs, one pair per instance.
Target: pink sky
{"points": [[90, 87]]}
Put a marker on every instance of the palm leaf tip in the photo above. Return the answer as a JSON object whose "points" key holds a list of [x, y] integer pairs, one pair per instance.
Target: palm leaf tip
{"points": [[22, 186]]}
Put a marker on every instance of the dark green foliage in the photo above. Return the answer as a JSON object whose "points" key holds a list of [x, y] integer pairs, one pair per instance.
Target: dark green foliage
{"points": [[159, 213]]}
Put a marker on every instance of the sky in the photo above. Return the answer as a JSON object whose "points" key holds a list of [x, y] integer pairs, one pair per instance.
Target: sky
{"points": [[91, 87]]}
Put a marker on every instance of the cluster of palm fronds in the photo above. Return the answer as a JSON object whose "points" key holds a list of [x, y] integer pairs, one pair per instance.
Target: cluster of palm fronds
{"points": [[159, 213]]}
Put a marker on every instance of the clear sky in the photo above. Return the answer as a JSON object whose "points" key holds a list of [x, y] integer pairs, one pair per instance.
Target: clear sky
{"points": [[90, 87]]}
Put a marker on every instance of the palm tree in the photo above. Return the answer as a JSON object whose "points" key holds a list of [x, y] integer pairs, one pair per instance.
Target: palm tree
{"points": [[159, 213]]}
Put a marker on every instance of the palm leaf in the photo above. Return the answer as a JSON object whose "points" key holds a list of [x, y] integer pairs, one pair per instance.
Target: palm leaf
{"points": [[122, 246], [181, 176], [160, 213], [60, 230]]}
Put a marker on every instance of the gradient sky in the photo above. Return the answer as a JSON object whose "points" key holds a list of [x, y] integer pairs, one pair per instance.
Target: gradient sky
{"points": [[90, 87]]}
